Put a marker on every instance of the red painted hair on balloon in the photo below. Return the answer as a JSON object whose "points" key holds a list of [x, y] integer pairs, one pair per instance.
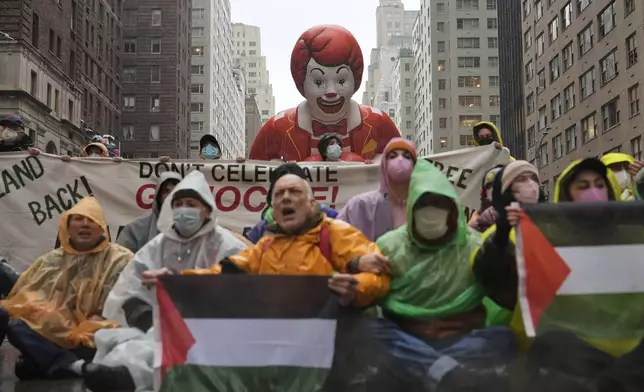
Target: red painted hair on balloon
{"points": [[330, 46]]}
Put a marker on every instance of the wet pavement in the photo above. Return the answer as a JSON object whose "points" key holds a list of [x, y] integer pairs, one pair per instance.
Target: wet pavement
{"points": [[9, 382]]}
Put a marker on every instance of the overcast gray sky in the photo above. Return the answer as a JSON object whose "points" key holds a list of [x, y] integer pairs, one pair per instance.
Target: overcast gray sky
{"points": [[282, 22]]}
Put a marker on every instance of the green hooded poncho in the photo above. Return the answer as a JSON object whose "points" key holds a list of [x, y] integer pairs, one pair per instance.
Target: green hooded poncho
{"points": [[431, 281]]}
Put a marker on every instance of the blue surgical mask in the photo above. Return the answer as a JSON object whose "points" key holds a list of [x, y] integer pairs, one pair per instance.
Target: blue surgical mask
{"points": [[333, 152], [187, 220], [210, 152]]}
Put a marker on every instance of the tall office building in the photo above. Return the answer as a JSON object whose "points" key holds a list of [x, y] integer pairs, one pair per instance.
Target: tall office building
{"points": [[217, 95], [403, 91], [582, 79], [39, 76], [511, 73], [394, 29], [156, 79], [247, 47], [253, 120], [97, 28], [457, 72]]}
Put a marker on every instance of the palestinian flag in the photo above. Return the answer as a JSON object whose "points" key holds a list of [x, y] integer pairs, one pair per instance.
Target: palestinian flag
{"points": [[232, 333], [581, 268]]}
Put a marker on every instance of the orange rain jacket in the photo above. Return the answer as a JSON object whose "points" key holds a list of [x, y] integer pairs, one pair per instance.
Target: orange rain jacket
{"points": [[302, 255]]}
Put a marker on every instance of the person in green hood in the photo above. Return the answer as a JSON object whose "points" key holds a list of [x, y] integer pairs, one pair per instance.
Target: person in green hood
{"points": [[434, 318]]}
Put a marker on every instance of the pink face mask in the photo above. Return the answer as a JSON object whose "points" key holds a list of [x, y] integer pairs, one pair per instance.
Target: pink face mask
{"points": [[593, 195], [527, 192], [399, 169]]}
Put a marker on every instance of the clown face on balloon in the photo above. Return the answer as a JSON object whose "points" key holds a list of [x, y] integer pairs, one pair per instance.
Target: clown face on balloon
{"points": [[327, 66]]}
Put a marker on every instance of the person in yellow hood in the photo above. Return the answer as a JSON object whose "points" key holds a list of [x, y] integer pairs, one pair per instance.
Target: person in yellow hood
{"points": [[485, 133], [559, 361], [55, 306], [619, 163]]}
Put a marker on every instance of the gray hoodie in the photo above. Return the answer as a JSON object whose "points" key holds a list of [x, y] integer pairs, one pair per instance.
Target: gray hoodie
{"points": [[138, 232]]}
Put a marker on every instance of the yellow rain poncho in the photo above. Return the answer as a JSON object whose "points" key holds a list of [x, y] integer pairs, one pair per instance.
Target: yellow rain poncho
{"points": [[619, 157], [64, 288]]}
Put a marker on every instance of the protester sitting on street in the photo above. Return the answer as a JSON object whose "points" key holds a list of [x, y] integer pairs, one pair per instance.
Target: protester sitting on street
{"points": [[257, 232], [139, 232], [13, 136], [379, 211], [558, 360], [330, 150], [434, 318], [190, 238], [56, 305], [486, 215], [619, 163]]}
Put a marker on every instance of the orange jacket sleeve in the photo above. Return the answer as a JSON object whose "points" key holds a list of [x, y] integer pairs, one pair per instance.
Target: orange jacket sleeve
{"points": [[267, 144], [348, 243], [248, 260]]}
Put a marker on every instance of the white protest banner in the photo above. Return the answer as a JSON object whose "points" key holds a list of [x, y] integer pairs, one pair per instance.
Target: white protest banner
{"points": [[36, 190]]}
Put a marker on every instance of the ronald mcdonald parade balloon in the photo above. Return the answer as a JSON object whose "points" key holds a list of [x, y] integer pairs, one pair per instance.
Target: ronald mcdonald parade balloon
{"points": [[326, 66]]}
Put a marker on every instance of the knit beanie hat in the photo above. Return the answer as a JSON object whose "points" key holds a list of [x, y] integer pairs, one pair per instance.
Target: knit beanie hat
{"points": [[513, 170], [401, 144]]}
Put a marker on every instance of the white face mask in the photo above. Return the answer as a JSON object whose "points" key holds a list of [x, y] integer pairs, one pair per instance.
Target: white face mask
{"points": [[333, 152], [431, 222], [623, 179]]}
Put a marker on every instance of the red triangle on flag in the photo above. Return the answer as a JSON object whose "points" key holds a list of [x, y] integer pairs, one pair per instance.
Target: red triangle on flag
{"points": [[545, 270], [176, 338]]}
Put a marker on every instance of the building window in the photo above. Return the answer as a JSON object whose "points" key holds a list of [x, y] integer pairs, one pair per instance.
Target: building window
{"points": [[629, 7], [529, 71], [608, 67], [155, 74], [442, 83], [469, 120], [57, 102], [467, 23], [155, 131], [553, 29], [571, 138], [493, 62], [527, 8], [541, 45], [442, 122], [35, 30], [631, 49], [606, 20], [156, 17], [530, 103], [70, 110], [197, 126], [587, 83], [541, 80], [129, 102], [538, 6], [129, 45], [392, 113], [440, 27], [33, 87], [196, 70], [59, 47], [582, 5], [468, 43], [467, 4], [469, 101], [129, 74], [634, 100], [555, 107], [531, 137], [196, 107], [557, 147], [52, 41], [543, 118], [542, 157], [492, 23], [610, 114], [468, 62], [197, 51], [128, 132], [527, 39], [566, 16], [569, 97], [492, 43], [555, 68], [198, 13], [466, 140], [636, 148], [440, 8], [585, 39], [442, 104], [568, 56], [495, 101], [441, 46], [469, 81], [491, 5], [252, 52], [197, 31], [407, 67], [588, 128], [155, 103], [155, 46], [48, 95], [197, 88], [493, 81]]}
